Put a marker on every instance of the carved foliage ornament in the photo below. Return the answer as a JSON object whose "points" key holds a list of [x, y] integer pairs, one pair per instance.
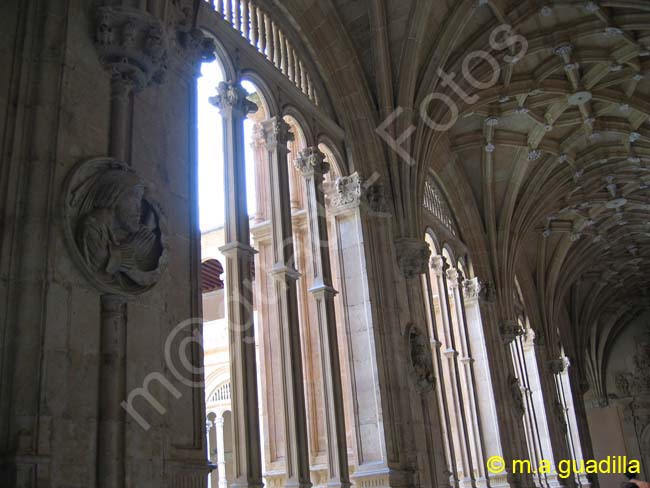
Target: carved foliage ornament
{"points": [[421, 359], [412, 257], [114, 228], [232, 96], [352, 191], [636, 382], [133, 45], [311, 160]]}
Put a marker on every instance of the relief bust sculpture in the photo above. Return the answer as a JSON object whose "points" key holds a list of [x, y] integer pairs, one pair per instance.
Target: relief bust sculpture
{"points": [[114, 227]]}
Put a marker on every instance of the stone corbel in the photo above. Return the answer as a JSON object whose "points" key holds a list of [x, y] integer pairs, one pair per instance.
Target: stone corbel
{"points": [[509, 330], [133, 45], [557, 366], [471, 290], [412, 256]]}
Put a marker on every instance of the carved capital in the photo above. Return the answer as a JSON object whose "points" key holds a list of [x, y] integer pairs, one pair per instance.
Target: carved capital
{"points": [[311, 161], [557, 366], [412, 257], [346, 192], [437, 264], [352, 191], [132, 45], [452, 278], [471, 290], [487, 292], [510, 330], [277, 133], [197, 47], [231, 97]]}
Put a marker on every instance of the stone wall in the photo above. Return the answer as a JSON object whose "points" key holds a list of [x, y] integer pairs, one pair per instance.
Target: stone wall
{"points": [[56, 111]]}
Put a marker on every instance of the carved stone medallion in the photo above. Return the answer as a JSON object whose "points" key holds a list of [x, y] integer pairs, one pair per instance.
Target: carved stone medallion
{"points": [[114, 228], [421, 359]]}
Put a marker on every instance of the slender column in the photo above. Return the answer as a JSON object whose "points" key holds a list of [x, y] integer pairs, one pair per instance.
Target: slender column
{"points": [[269, 38], [482, 380], [311, 163], [246, 28], [277, 136], [236, 15], [254, 26], [467, 361], [221, 453], [439, 266], [234, 107], [208, 446], [120, 106], [112, 373], [112, 390], [228, 11], [277, 48]]}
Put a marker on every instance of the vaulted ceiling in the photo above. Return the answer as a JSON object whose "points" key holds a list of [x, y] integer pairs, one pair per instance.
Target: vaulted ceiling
{"points": [[548, 165]]}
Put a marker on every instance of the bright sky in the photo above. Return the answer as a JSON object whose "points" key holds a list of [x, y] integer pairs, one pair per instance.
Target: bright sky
{"points": [[211, 187]]}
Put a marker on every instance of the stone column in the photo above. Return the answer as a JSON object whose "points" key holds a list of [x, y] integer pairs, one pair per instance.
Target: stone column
{"points": [[313, 167], [112, 389], [208, 427], [359, 337], [482, 378], [277, 135], [234, 106], [467, 362], [221, 453], [439, 266]]}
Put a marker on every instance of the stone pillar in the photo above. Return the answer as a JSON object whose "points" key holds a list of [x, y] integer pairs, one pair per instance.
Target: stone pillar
{"points": [[487, 415], [234, 106], [313, 167], [350, 216], [277, 135], [439, 266], [467, 362], [221, 453]]}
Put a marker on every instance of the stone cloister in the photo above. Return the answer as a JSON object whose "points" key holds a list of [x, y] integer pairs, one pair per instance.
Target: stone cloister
{"points": [[445, 264]]}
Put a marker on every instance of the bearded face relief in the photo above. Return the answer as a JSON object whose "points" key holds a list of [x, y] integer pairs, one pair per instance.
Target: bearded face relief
{"points": [[114, 227]]}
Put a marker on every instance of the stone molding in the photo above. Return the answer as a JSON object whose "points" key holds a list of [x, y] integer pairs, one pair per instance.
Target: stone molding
{"points": [[115, 230], [135, 46], [231, 96], [311, 161]]}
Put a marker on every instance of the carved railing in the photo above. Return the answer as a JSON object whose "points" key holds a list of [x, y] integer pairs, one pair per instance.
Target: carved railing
{"points": [[264, 34], [437, 206], [221, 394]]}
